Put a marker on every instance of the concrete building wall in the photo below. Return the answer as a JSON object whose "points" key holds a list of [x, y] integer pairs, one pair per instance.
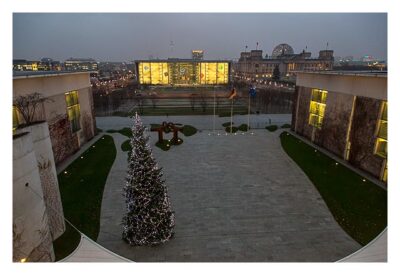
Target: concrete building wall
{"points": [[362, 136], [42, 148], [51, 85], [359, 85], [350, 120], [32, 239], [301, 123], [333, 132], [54, 108]]}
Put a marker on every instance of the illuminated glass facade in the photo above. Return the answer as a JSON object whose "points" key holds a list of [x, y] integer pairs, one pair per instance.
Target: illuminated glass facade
{"points": [[73, 110], [317, 107], [183, 73], [381, 137]]}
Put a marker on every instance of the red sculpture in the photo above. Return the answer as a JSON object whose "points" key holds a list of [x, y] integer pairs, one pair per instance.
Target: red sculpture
{"points": [[166, 128]]}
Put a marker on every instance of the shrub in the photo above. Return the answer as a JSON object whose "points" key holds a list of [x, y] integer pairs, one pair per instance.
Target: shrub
{"points": [[189, 130], [234, 129], [227, 124], [243, 128], [164, 145], [271, 128], [126, 146], [285, 126]]}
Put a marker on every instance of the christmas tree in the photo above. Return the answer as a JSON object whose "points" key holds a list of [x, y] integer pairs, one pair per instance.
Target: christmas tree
{"points": [[149, 219]]}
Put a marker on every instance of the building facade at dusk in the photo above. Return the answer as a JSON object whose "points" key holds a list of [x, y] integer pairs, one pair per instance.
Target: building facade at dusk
{"points": [[253, 65], [345, 113], [80, 64], [183, 72], [67, 108]]}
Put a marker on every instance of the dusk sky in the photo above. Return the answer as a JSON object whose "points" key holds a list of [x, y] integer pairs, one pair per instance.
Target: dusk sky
{"points": [[126, 37]]}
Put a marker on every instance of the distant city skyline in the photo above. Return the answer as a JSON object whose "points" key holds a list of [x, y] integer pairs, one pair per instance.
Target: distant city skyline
{"points": [[126, 37]]}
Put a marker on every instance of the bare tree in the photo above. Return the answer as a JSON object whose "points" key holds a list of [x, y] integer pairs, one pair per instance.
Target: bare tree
{"points": [[27, 105]]}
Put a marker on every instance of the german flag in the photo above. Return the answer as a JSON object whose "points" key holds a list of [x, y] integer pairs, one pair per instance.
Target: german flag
{"points": [[232, 94]]}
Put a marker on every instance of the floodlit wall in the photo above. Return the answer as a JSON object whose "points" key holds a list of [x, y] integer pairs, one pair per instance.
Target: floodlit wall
{"points": [[32, 239], [183, 73], [351, 119], [54, 108], [42, 148]]}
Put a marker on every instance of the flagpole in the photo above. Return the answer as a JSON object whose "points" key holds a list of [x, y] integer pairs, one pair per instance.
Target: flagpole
{"points": [[248, 116], [231, 113], [214, 114]]}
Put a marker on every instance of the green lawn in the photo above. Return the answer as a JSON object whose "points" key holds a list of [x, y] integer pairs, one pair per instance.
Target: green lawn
{"points": [[357, 204], [81, 187]]}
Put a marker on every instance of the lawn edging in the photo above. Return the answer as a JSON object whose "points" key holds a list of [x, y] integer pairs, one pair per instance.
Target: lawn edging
{"points": [[81, 188], [358, 205]]}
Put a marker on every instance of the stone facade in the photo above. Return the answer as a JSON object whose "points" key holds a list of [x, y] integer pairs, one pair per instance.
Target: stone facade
{"points": [[252, 64], [54, 109], [350, 120], [37, 209], [333, 134], [64, 142], [301, 123], [366, 114]]}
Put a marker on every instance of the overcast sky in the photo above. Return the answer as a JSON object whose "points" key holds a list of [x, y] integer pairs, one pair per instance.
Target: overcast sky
{"points": [[125, 37]]}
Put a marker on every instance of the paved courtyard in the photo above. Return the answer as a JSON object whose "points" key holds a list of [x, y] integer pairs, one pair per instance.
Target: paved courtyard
{"points": [[236, 198]]}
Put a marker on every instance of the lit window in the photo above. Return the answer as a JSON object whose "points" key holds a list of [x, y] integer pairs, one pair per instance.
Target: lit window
{"points": [[381, 137], [15, 118], [385, 172], [317, 107], [73, 110]]}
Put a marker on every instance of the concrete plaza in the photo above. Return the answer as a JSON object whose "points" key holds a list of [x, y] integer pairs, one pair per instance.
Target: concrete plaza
{"points": [[236, 198]]}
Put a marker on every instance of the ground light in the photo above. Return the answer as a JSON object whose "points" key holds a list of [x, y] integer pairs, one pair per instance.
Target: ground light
{"points": [[23, 260]]}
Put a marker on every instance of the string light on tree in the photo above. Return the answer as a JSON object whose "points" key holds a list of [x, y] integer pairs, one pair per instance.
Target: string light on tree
{"points": [[149, 219]]}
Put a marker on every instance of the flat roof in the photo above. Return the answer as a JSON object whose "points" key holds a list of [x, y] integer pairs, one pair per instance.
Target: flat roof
{"points": [[31, 74], [182, 60], [348, 73]]}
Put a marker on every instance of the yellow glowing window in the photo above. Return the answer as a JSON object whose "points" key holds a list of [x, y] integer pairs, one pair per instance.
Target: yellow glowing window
{"points": [[15, 118], [73, 110], [317, 107], [385, 172], [381, 137]]}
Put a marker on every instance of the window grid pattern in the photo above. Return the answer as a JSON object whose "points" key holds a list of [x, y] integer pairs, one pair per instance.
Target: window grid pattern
{"points": [[381, 137], [73, 110], [317, 107]]}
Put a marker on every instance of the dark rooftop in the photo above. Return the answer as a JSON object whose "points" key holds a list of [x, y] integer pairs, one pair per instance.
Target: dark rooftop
{"points": [[181, 60], [350, 73], [25, 74]]}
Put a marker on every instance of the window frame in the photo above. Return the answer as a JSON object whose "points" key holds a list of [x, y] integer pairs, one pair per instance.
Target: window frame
{"points": [[73, 106], [317, 107]]}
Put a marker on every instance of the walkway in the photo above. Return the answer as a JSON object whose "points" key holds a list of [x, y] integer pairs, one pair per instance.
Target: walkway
{"points": [[236, 198], [90, 251]]}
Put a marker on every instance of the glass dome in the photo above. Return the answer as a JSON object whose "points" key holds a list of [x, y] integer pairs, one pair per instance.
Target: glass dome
{"points": [[282, 49]]}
